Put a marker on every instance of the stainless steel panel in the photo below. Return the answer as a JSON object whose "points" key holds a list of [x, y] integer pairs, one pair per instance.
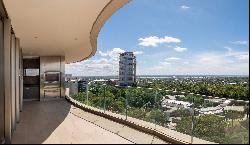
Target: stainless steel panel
{"points": [[52, 84], [7, 80], [50, 65], [1, 84], [51, 93], [13, 82]]}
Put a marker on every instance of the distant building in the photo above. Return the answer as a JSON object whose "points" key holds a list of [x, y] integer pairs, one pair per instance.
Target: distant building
{"points": [[112, 82], [73, 87], [211, 110], [82, 85], [78, 86], [175, 103], [127, 69]]}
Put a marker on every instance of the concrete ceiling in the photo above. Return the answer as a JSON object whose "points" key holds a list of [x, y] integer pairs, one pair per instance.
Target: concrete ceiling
{"points": [[60, 27]]}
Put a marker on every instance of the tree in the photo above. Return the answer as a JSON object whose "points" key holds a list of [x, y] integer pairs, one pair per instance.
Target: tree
{"points": [[197, 100], [185, 125], [208, 127], [118, 105], [232, 114], [246, 110], [159, 117], [180, 113], [238, 134], [81, 97], [138, 113]]}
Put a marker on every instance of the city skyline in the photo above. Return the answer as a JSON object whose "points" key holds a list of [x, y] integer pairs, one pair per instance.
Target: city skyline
{"points": [[174, 38]]}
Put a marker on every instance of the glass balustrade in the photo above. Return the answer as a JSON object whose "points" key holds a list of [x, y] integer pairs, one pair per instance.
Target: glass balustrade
{"points": [[190, 117]]}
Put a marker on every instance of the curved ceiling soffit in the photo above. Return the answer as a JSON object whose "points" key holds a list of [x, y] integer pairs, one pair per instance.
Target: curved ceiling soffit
{"points": [[104, 15]]}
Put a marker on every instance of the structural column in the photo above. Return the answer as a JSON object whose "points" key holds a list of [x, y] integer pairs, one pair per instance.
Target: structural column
{"points": [[17, 64], [1, 84], [13, 82], [7, 79], [21, 78]]}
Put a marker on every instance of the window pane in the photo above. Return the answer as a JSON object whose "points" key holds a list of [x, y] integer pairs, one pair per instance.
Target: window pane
{"points": [[31, 72]]}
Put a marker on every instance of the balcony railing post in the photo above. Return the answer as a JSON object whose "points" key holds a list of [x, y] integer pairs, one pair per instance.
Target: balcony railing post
{"points": [[87, 89], [97, 94], [104, 100], [104, 104], [127, 102], [126, 106], [192, 131], [156, 93]]}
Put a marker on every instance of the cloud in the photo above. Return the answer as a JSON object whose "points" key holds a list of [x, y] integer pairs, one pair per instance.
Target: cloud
{"points": [[184, 7], [229, 62], [171, 59], [99, 64], [154, 41], [180, 49], [138, 52], [97, 67], [201, 64], [210, 59], [164, 63], [228, 48], [106, 64], [243, 57], [241, 42], [219, 63], [240, 55], [115, 52], [156, 68]]}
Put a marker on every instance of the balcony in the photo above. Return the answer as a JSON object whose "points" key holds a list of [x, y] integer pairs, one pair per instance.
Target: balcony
{"points": [[60, 122], [75, 120], [71, 121]]}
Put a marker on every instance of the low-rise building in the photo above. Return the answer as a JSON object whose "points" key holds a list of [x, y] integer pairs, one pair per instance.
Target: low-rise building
{"points": [[211, 110], [175, 103]]}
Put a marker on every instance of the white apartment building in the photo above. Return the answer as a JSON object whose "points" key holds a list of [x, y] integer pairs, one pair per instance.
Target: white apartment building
{"points": [[127, 69]]}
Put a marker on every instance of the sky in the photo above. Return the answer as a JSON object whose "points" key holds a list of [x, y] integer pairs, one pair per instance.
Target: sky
{"points": [[174, 37]]}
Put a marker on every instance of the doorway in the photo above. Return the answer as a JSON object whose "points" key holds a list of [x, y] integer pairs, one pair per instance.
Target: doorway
{"points": [[31, 79]]}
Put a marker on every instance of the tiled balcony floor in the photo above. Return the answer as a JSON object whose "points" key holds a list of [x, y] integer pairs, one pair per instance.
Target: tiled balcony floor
{"points": [[60, 122]]}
